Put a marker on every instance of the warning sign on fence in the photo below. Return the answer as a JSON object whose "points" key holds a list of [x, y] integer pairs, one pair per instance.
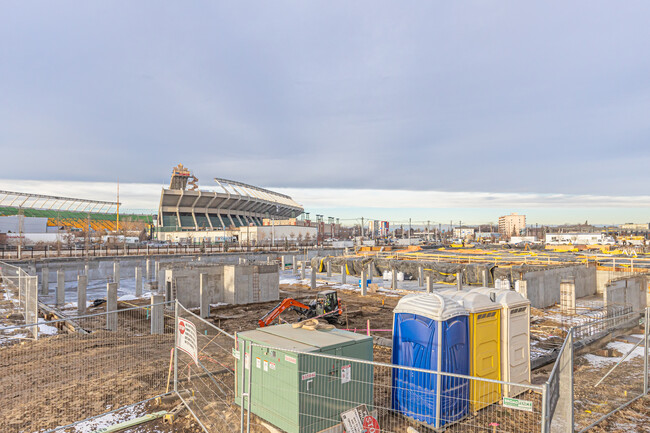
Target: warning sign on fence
{"points": [[186, 338]]}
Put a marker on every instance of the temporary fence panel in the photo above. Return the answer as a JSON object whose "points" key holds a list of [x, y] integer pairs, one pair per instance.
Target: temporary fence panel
{"points": [[204, 372], [21, 290], [608, 375], [78, 370], [559, 409], [338, 394]]}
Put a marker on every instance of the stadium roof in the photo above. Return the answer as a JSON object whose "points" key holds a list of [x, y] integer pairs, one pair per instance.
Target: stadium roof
{"points": [[22, 200]]}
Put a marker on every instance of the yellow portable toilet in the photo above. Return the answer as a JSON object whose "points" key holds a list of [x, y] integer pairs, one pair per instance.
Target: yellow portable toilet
{"points": [[515, 337], [485, 345]]}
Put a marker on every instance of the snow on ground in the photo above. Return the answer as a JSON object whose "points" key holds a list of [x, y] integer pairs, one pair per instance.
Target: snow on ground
{"points": [[44, 329], [96, 290], [105, 421], [622, 347]]}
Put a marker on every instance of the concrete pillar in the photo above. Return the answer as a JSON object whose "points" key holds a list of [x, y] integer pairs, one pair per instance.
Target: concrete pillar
{"points": [[429, 285], [484, 279], [459, 280], [116, 273], [60, 287], [343, 274], [394, 275], [568, 296], [203, 292], [156, 269], [45, 281], [420, 276], [147, 268], [111, 306], [521, 287], [370, 271], [364, 283], [282, 263], [87, 270], [157, 314], [302, 270], [138, 281], [313, 278], [329, 269], [268, 260], [294, 263], [82, 284]]}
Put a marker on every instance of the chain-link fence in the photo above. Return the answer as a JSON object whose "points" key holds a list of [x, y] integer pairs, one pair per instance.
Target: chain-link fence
{"points": [[207, 384], [311, 392], [19, 297], [82, 370]]}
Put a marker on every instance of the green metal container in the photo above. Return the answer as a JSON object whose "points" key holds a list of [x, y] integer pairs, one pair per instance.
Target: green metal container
{"points": [[297, 392]]}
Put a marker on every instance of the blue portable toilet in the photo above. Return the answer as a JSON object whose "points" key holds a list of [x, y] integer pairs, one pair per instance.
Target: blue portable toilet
{"points": [[430, 332]]}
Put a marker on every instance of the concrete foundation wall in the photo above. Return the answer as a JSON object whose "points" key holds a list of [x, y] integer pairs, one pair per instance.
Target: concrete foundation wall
{"points": [[101, 268], [632, 291], [543, 286], [603, 277], [231, 284]]}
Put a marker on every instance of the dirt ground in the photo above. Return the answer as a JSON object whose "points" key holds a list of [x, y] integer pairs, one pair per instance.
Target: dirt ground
{"points": [[103, 371]]}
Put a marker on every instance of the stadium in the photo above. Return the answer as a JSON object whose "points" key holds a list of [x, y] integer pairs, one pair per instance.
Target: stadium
{"points": [[229, 210]]}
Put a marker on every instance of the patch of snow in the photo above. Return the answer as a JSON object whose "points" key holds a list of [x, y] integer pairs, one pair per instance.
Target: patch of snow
{"points": [[127, 298], [622, 347], [108, 420], [219, 304], [46, 329]]}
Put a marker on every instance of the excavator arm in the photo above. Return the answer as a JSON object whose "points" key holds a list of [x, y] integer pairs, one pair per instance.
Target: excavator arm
{"points": [[274, 313]]}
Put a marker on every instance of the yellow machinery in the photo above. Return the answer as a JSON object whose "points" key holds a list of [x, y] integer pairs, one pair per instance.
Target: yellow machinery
{"points": [[485, 345]]}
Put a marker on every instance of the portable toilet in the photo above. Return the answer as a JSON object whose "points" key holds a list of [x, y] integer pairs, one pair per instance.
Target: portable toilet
{"points": [[515, 337], [430, 332], [296, 391], [484, 343]]}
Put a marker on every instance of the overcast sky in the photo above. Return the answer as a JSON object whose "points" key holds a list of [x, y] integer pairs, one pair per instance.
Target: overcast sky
{"points": [[493, 97]]}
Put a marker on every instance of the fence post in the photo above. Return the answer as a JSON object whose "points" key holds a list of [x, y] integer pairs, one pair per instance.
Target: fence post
{"points": [[203, 293], [175, 346], [646, 334], [545, 423], [82, 284], [60, 287], [138, 281], [111, 306], [157, 315]]}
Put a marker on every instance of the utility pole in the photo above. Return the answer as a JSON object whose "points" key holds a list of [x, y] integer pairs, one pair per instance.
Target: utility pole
{"points": [[409, 231], [362, 228]]}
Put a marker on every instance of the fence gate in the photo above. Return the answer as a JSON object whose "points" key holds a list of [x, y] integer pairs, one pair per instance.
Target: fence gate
{"points": [[204, 375]]}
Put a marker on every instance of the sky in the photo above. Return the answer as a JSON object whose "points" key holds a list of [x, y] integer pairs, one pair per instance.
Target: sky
{"points": [[387, 110]]}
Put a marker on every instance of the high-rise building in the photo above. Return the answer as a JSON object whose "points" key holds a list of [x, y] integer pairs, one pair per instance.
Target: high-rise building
{"points": [[512, 225]]}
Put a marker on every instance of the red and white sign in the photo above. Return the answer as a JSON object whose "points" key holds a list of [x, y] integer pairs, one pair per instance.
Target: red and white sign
{"points": [[186, 339], [370, 424]]}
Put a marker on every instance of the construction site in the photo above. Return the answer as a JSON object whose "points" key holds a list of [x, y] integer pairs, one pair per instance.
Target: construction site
{"points": [[326, 340], [261, 327]]}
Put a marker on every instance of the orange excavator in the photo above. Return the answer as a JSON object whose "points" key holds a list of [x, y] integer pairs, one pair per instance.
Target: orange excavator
{"points": [[326, 305]]}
